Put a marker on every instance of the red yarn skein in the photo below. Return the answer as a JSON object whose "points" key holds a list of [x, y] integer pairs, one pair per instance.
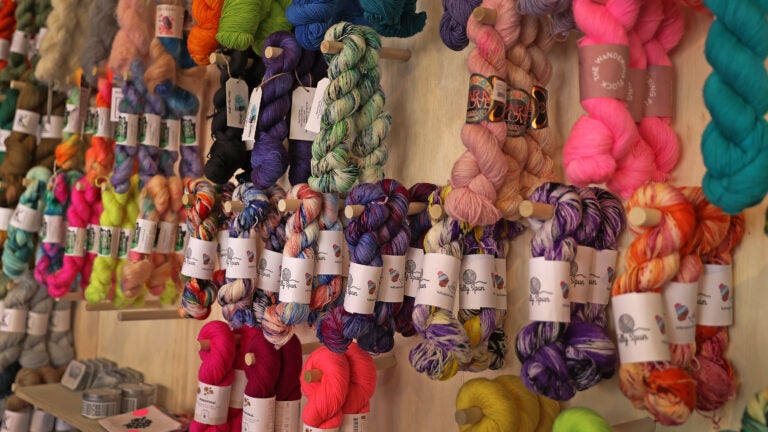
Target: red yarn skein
{"points": [[362, 381], [216, 368], [326, 396]]}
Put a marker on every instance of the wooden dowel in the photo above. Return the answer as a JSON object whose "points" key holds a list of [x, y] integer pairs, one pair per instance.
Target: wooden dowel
{"points": [[220, 59], [484, 15], [469, 415], [645, 217], [272, 52], [188, 199], [19, 85], [233, 206], [250, 359], [106, 306], [353, 210], [386, 362], [27, 182], [205, 344], [642, 425], [333, 47], [436, 211], [79, 186], [536, 210], [416, 208], [148, 315], [313, 375], [71, 296], [288, 205]]}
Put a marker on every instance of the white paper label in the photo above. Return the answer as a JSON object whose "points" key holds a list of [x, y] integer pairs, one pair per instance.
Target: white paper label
{"points": [[4, 134], [258, 414], [328, 260], [288, 416], [318, 106], [189, 131], [307, 428], [52, 127], [2, 308], [145, 232], [212, 404], [75, 242], [16, 421], [242, 262], [500, 283], [126, 239], [581, 267], [301, 105], [103, 125], [27, 219], [169, 23], [439, 281], [109, 241], [14, 321], [5, 47], [268, 274], [222, 242], [549, 290], [362, 288], [238, 389], [71, 116], [114, 105], [61, 320], [170, 135], [640, 327], [602, 276], [476, 285], [237, 102], [20, 43], [165, 237], [414, 269], [392, 281], [199, 259], [149, 130], [92, 238], [680, 308], [26, 122], [254, 106], [39, 38], [715, 301], [41, 421], [37, 323], [62, 426], [127, 130], [296, 280], [355, 423], [182, 237], [53, 229], [5, 218]]}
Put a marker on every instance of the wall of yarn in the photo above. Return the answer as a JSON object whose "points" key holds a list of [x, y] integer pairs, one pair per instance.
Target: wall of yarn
{"points": [[425, 96]]}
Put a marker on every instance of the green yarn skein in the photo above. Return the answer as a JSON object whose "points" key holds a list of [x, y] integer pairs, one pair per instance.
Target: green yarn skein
{"points": [[581, 420], [239, 21], [273, 22]]}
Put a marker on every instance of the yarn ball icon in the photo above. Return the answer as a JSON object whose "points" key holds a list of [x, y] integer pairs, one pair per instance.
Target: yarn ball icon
{"points": [[206, 259], [251, 256], [660, 323], [565, 289], [469, 276], [498, 281], [626, 323], [371, 287]]}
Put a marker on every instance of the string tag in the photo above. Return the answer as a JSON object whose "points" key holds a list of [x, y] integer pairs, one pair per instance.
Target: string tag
{"points": [[252, 120], [301, 106], [117, 96], [318, 106], [237, 102], [4, 134]]}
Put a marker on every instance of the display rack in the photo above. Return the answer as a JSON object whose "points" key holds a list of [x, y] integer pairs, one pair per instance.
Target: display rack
{"points": [[60, 402]]}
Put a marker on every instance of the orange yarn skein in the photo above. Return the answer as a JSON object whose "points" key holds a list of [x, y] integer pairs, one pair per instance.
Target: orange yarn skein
{"points": [[201, 41]]}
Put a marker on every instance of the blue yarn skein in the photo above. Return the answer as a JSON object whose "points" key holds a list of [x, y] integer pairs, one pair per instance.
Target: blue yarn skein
{"points": [[735, 142], [312, 18], [394, 18], [149, 156], [184, 103]]}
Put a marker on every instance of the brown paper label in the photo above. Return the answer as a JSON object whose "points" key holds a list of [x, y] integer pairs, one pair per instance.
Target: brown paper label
{"points": [[518, 112], [660, 101], [603, 71], [481, 103], [636, 92], [539, 112]]}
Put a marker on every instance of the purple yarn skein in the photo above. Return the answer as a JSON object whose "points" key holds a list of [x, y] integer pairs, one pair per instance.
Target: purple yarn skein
{"points": [[453, 24], [560, 10], [132, 103], [311, 69], [149, 156], [182, 103], [612, 223]]}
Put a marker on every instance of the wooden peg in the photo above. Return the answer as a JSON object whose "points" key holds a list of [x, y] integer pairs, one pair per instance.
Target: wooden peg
{"points": [[469, 415], [642, 425], [272, 52], [415, 208], [536, 210], [27, 182], [644, 217], [188, 199], [288, 205], [333, 47], [220, 59], [148, 315], [385, 362], [352, 211], [79, 187], [71, 296], [107, 306], [484, 15], [250, 359], [436, 211], [233, 206], [205, 344], [2, 98], [98, 71], [313, 375], [19, 85]]}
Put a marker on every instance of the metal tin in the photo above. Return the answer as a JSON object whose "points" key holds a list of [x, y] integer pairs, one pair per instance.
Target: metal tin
{"points": [[100, 403], [136, 396]]}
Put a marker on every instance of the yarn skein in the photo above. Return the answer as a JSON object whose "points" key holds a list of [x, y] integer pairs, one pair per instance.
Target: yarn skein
{"points": [[578, 418], [362, 381], [326, 288], [326, 397], [148, 152], [102, 27], [272, 233], [34, 353], [132, 104], [7, 25], [51, 251], [136, 19], [17, 299], [754, 418], [17, 62], [45, 152], [216, 366], [201, 41], [734, 142], [310, 69], [99, 158], [394, 18], [559, 10], [496, 403], [288, 392], [527, 404], [93, 199], [60, 343], [69, 154], [453, 23], [667, 392], [262, 374], [131, 209], [65, 22], [239, 22]]}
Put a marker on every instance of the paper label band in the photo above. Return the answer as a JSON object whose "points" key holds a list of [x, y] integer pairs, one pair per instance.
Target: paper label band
{"points": [[26, 219], [144, 236], [16, 421], [258, 414], [109, 241], [518, 113], [715, 299], [20, 43], [414, 270], [287, 416], [71, 116], [165, 237], [362, 288], [680, 308], [14, 321], [539, 110], [345, 259], [92, 238], [476, 285], [238, 389], [199, 259], [640, 327], [5, 218], [52, 127], [636, 92], [37, 323], [182, 237], [242, 262], [581, 267], [355, 423], [41, 421], [603, 70], [660, 100], [222, 239], [500, 283], [169, 23], [328, 259], [127, 130], [103, 123], [392, 281], [74, 244], [91, 116], [124, 245], [212, 404], [484, 101], [4, 134], [26, 122], [53, 229], [189, 131], [5, 47], [439, 281], [170, 135], [602, 276], [115, 98], [149, 130], [296, 280], [549, 290], [61, 320], [268, 273]]}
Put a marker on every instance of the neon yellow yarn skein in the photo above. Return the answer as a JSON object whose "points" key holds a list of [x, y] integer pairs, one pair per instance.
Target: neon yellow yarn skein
{"points": [[526, 401], [104, 266], [581, 420], [498, 406], [131, 213]]}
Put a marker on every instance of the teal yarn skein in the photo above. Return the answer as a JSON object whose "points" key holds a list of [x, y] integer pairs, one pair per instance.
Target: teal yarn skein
{"points": [[581, 420], [394, 18], [735, 142]]}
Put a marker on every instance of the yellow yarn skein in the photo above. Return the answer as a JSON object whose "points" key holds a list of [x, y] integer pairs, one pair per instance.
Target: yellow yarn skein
{"points": [[549, 411], [497, 409], [526, 401], [131, 213]]}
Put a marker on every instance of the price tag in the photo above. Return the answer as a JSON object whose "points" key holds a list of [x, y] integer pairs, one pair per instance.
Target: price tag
{"points": [[318, 106], [237, 102], [301, 106], [254, 106]]}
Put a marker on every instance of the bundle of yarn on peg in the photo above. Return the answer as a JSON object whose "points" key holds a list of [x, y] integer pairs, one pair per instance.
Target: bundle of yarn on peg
{"points": [[136, 19], [310, 69], [265, 369], [289, 382], [34, 352], [326, 396], [453, 24], [362, 381], [580, 419], [239, 21], [60, 343], [326, 288], [51, 251], [102, 27], [497, 407], [272, 233], [201, 41], [559, 10], [216, 367]]}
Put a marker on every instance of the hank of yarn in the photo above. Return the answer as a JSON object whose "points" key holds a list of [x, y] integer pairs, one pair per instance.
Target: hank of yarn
{"points": [[326, 397], [216, 366]]}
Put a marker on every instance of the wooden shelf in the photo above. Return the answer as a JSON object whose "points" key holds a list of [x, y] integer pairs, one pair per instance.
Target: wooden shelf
{"points": [[60, 402]]}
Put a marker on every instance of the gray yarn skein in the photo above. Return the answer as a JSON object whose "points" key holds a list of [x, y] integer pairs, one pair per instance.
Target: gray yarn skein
{"points": [[102, 27], [34, 353], [61, 347], [17, 298]]}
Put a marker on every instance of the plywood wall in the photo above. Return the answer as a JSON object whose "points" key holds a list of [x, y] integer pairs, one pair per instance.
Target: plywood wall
{"points": [[426, 97]]}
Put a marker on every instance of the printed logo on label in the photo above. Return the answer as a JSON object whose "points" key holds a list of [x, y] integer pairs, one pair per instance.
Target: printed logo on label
{"points": [[630, 333], [188, 259], [725, 294], [354, 290], [263, 270], [539, 296], [287, 283], [683, 313], [394, 275], [470, 282], [498, 281], [576, 277], [410, 271]]}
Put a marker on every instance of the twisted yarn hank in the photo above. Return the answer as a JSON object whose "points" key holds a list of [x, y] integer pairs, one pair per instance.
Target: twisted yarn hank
{"points": [[326, 288], [326, 397], [394, 18], [34, 353], [494, 400], [362, 381], [310, 69], [453, 23], [216, 366], [132, 103], [136, 19], [18, 298], [102, 27], [201, 41], [272, 233], [51, 252]]}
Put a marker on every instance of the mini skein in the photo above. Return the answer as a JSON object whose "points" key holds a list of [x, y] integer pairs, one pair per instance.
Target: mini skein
{"points": [[34, 353], [326, 397], [149, 155], [272, 233], [326, 289], [102, 27], [181, 103], [64, 23], [216, 367], [580, 419], [69, 154], [132, 103], [201, 41], [60, 344], [93, 199], [560, 10], [453, 23], [362, 381], [136, 19], [18, 298], [119, 300], [99, 158], [49, 255]]}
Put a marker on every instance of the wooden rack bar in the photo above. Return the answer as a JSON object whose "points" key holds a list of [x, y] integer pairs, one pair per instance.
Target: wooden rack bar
{"points": [[644, 217], [536, 210], [401, 54], [148, 315], [106, 306]]}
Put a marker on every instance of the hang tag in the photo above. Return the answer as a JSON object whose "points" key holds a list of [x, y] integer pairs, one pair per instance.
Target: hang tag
{"points": [[715, 298], [318, 106], [640, 328], [5, 48], [680, 308], [602, 276], [103, 124], [476, 285], [392, 281], [53, 229], [126, 239], [296, 280], [328, 260], [26, 219], [355, 423], [165, 237], [61, 320], [268, 273], [581, 267], [52, 127], [149, 130], [549, 290], [199, 259], [242, 262], [212, 404], [439, 281], [4, 134], [144, 236], [189, 131], [254, 106], [5, 218], [114, 106], [74, 244], [222, 241], [16, 421], [41, 421], [91, 120], [238, 389], [14, 321], [414, 269], [237, 102], [37, 323], [92, 238], [362, 288], [182, 237], [301, 106], [287, 416], [20, 43], [170, 136], [169, 22], [109, 241], [127, 130], [71, 116], [500, 282], [26, 122], [259, 414]]}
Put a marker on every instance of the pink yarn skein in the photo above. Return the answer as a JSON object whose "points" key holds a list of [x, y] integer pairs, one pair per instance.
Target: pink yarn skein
{"points": [[362, 381], [216, 368], [93, 200], [607, 132], [326, 397], [137, 29]]}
